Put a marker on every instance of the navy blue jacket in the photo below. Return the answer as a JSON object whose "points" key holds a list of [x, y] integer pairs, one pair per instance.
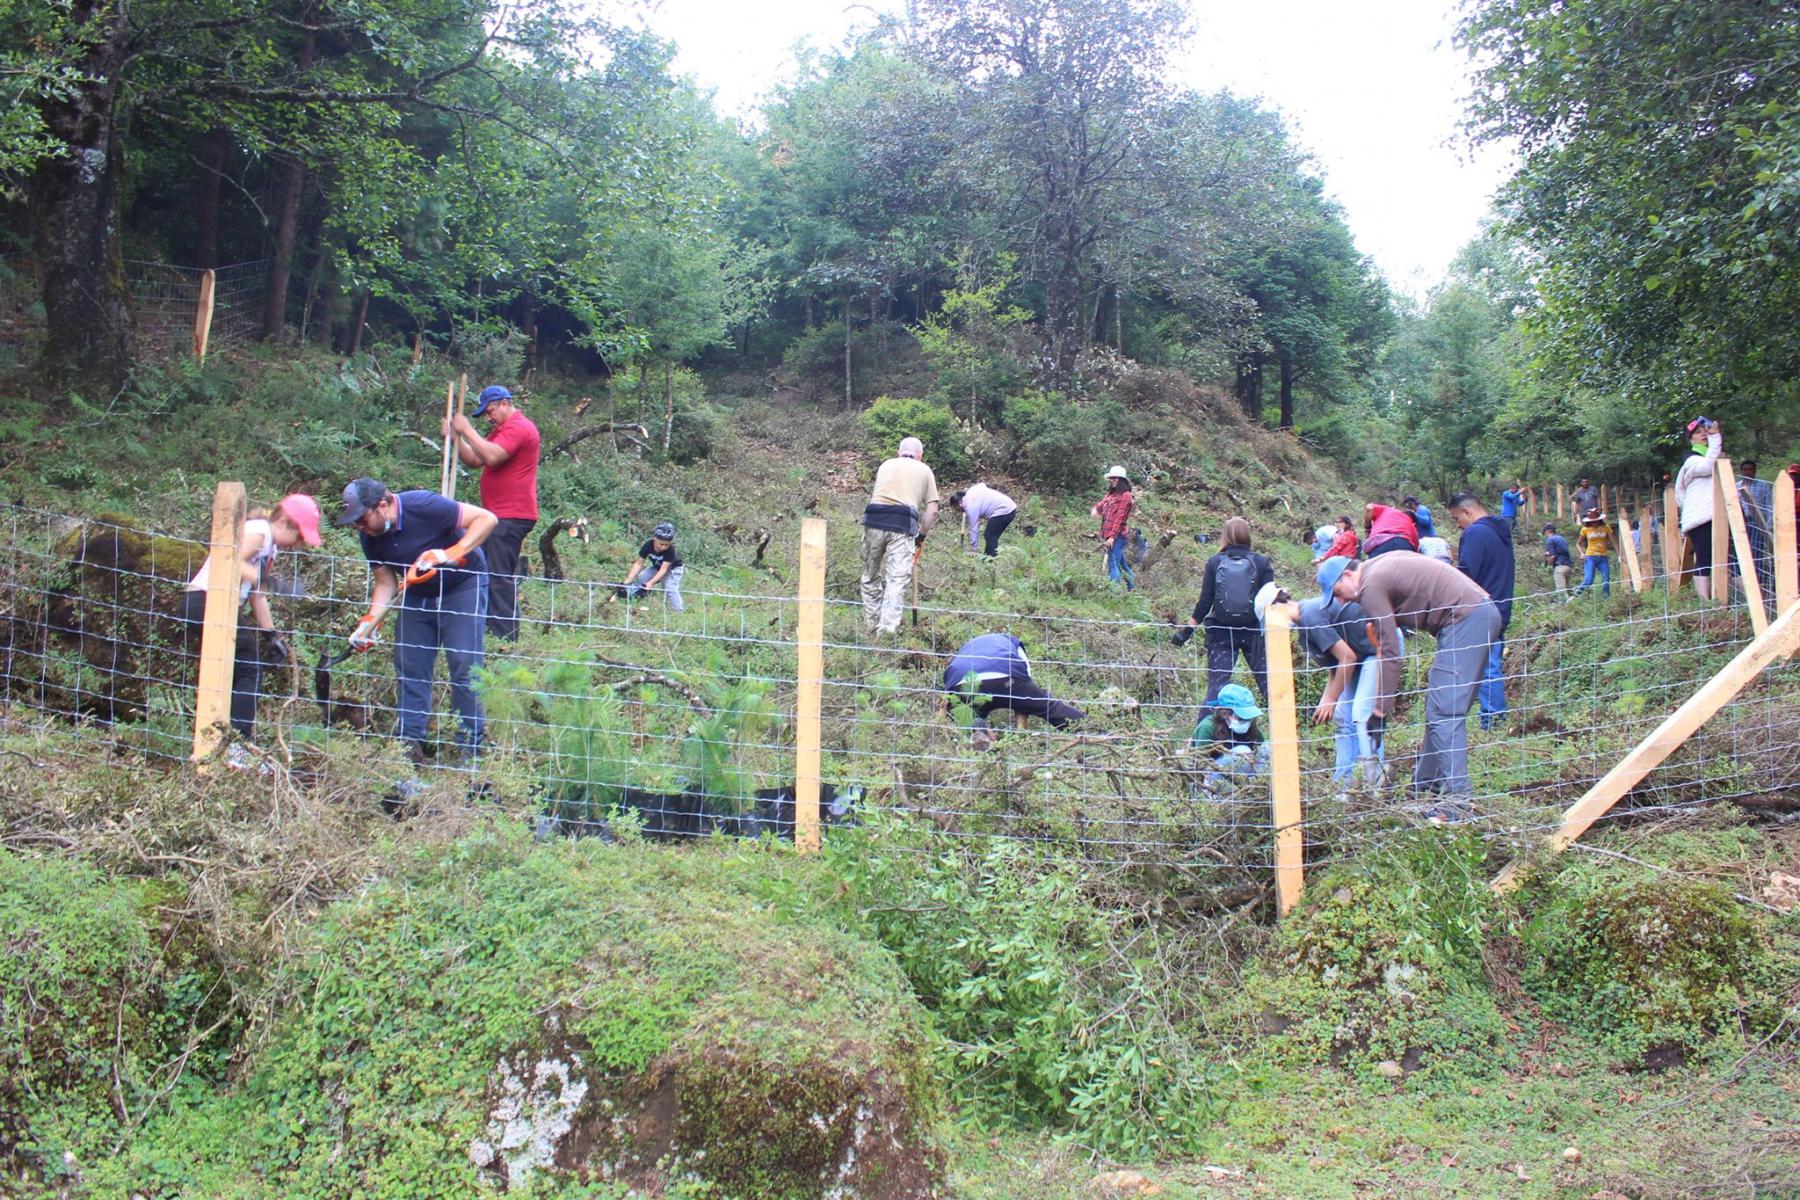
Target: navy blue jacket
{"points": [[999, 653], [1485, 555]]}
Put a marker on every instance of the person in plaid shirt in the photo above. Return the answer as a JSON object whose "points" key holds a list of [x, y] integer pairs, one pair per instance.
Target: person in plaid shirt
{"points": [[1114, 511]]}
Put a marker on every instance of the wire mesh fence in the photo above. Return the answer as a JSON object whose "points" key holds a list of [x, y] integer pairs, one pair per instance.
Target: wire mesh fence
{"points": [[166, 299], [616, 711]]}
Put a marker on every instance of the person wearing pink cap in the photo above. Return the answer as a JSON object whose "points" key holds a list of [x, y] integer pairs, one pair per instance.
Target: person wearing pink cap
{"points": [[295, 520]]}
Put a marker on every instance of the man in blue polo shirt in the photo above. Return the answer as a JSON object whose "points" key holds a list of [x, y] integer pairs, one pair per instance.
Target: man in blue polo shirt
{"points": [[423, 532]]}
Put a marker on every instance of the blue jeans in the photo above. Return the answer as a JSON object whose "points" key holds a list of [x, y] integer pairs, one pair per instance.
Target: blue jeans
{"points": [[1352, 725], [1492, 693], [1591, 567], [1116, 563], [454, 622]]}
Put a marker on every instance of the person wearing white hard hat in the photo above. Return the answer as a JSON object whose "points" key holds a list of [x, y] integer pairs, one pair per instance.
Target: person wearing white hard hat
{"points": [[901, 511], [1114, 511]]}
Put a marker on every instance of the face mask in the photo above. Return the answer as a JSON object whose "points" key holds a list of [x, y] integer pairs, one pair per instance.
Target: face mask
{"points": [[1238, 725]]}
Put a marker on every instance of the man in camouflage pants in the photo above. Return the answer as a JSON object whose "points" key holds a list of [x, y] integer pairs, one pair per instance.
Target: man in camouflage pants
{"points": [[900, 512]]}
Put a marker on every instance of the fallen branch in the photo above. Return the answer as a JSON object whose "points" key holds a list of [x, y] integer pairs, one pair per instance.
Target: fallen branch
{"points": [[647, 675], [613, 427]]}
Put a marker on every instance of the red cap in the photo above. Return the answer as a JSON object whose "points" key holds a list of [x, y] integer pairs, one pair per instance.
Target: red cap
{"points": [[303, 511]]}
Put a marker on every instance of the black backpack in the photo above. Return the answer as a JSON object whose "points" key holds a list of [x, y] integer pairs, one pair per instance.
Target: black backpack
{"points": [[1234, 590]]}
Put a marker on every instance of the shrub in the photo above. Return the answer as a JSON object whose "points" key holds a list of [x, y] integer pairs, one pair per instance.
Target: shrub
{"points": [[1046, 1018], [816, 359], [1642, 963], [1056, 443], [888, 420], [1383, 959], [697, 426]]}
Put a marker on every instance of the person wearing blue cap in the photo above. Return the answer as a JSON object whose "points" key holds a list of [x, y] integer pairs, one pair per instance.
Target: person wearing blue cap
{"points": [[435, 544], [508, 458], [1337, 635], [1406, 590], [1228, 734]]}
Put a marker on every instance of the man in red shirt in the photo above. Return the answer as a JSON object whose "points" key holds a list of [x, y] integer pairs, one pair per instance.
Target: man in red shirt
{"points": [[508, 458]]}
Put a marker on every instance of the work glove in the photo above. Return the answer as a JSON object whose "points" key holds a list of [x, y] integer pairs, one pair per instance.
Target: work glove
{"points": [[274, 646], [1183, 636], [363, 637], [434, 560], [919, 542]]}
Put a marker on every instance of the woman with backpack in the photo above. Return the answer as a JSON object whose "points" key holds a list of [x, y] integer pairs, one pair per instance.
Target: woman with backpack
{"points": [[1227, 608]]}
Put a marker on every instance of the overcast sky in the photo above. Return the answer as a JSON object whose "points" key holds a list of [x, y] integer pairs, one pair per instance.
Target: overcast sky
{"points": [[1371, 88]]}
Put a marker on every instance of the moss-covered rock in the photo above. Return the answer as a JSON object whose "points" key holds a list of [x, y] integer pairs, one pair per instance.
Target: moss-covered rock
{"points": [[1647, 964], [100, 990], [1382, 962], [556, 1018]]}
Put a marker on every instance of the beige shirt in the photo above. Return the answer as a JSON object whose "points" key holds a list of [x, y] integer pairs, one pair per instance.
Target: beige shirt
{"points": [[905, 481], [1405, 590]]}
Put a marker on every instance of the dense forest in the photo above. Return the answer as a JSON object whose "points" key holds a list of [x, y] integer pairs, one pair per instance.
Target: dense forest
{"points": [[1015, 187]]}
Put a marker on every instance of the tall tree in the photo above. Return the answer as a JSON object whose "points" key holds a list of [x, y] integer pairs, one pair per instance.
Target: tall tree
{"points": [[1659, 181]]}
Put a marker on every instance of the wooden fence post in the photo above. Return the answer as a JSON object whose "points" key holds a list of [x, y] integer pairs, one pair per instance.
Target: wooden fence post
{"points": [[1740, 538], [1648, 557], [1787, 567], [1628, 551], [203, 313], [444, 483], [810, 685], [1671, 526], [1780, 641], [218, 634], [1284, 764], [1562, 503]]}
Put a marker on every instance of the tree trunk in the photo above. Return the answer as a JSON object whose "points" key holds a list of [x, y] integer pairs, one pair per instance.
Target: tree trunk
{"points": [[668, 405], [1118, 320], [806, 302], [74, 205], [358, 322], [287, 227], [528, 322], [849, 398], [1287, 392], [206, 196], [312, 289]]}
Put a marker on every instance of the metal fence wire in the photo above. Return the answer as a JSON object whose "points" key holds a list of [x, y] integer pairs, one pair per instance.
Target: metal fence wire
{"points": [[165, 298], [627, 713]]}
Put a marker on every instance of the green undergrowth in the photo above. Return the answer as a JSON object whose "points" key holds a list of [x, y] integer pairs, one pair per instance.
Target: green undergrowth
{"points": [[1059, 1007], [1647, 963], [1382, 962], [103, 988], [708, 973]]}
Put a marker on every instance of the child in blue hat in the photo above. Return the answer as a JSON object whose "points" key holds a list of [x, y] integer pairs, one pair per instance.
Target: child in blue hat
{"points": [[1229, 735]]}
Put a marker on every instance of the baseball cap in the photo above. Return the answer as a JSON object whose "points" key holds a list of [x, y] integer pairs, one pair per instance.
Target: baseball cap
{"points": [[1330, 571], [1238, 699], [1697, 424], [1267, 594], [303, 511], [911, 447], [488, 396], [360, 495]]}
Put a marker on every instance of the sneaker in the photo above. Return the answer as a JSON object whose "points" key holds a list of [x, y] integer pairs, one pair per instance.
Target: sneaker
{"points": [[1448, 812], [981, 738], [239, 758]]}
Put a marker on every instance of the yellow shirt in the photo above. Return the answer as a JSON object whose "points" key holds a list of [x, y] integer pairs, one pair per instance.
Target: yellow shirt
{"points": [[905, 481]]}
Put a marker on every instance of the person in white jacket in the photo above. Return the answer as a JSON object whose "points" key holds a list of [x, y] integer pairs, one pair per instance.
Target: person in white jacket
{"points": [[1694, 495]]}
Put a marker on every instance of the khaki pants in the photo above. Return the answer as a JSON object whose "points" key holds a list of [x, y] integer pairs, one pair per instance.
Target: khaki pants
{"points": [[1561, 574], [887, 567]]}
